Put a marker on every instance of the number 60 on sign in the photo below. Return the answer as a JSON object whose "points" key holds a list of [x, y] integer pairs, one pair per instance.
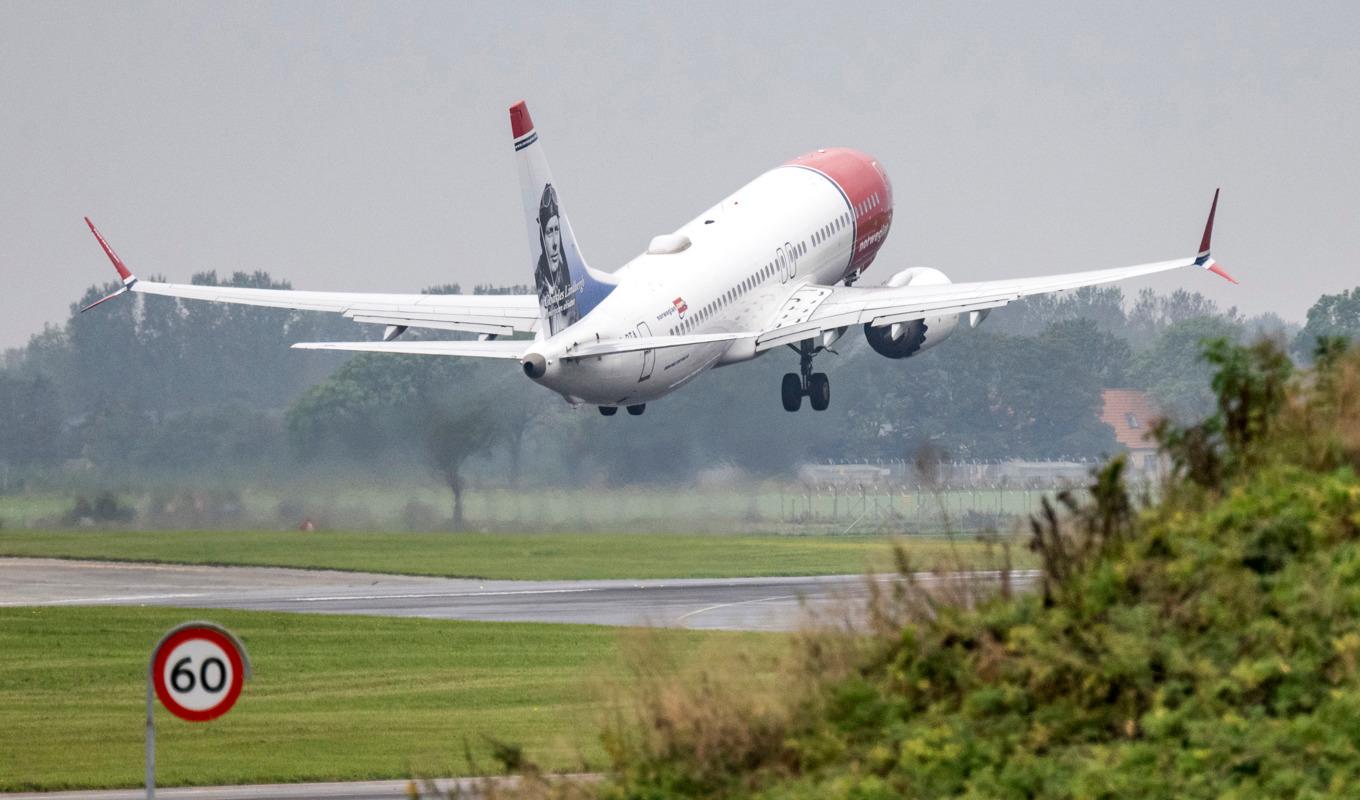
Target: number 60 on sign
{"points": [[198, 672]]}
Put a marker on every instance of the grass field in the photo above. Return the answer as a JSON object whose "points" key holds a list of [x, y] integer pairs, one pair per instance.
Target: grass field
{"points": [[333, 698], [527, 556], [359, 506]]}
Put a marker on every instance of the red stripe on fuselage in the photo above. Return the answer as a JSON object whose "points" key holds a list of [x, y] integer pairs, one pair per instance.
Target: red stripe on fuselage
{"points": [[865, 185]]}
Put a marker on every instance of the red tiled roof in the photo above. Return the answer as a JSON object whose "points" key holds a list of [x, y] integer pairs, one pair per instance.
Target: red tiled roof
{"points": [[1130, 413]]}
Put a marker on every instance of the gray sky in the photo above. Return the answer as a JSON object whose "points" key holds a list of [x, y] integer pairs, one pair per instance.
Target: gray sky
{"points": [[367, 147]]}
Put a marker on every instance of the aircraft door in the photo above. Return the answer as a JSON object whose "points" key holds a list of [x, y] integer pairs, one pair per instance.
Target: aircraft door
{"points": [[648, 356]]}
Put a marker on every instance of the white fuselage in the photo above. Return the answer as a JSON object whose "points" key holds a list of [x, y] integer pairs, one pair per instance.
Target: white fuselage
{"points": [[746, 258]]}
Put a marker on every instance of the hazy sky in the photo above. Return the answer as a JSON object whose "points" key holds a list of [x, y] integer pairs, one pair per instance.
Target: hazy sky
{"points": [[367, 147]]}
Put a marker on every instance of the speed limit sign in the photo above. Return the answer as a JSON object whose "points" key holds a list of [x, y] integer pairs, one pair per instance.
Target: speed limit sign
{"points": [[197, 671]]}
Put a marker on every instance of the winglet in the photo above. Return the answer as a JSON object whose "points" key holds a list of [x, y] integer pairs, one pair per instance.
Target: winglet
{"points": [[129, 280], [123, 271], [1203, 259]]}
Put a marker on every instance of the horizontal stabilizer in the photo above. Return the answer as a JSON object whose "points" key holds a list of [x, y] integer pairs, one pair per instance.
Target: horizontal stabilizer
{"points": [[490, 349]]}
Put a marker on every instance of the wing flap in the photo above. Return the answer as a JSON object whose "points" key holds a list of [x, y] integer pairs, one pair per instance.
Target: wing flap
{"points": [[467, 325]]}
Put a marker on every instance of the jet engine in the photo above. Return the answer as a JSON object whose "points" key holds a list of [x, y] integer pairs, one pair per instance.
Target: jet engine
{"points": [[903, 339]]}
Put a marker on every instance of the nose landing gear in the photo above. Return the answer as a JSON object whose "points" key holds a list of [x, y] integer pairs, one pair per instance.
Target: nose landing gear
{"points": [[816, 385]]}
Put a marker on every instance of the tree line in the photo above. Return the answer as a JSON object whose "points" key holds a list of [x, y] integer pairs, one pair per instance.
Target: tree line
{"points": [[177, 390]]}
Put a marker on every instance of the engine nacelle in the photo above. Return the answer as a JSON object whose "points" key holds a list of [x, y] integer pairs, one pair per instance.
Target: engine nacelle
{"points": [[903, 339]]}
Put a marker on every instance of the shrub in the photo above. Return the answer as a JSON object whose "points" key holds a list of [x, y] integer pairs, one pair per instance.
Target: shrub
{"points": [[1204, 645], [104, 509]]}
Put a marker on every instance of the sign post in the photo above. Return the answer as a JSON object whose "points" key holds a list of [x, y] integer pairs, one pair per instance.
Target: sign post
{"points": [[197, 671]]}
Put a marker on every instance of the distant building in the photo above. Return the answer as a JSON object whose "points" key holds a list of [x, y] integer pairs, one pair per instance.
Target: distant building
{"points": [[1131, 414]]}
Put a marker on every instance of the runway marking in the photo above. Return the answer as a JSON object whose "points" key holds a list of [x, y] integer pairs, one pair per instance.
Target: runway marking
{"points": [[427, 595], [117, 599], [680, 619]]}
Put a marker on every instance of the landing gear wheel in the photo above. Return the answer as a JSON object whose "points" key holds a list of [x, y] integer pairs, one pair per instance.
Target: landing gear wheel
{"points": [[819, 391], [791, 391], [609, 411], [637, 409]]}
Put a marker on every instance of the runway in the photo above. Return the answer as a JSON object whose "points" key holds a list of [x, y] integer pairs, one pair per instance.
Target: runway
{"points": [[758, 604]]}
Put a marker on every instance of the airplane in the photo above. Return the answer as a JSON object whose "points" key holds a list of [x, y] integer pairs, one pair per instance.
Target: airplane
{"points": [[772, 265]]}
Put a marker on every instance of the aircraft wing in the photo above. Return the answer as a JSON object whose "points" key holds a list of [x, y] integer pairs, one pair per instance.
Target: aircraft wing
{"points": [[813, 310], [490, 314]]}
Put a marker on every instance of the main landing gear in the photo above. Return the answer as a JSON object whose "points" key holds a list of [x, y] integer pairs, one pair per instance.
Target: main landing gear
{"points": [[635, 410], [815, 385]]}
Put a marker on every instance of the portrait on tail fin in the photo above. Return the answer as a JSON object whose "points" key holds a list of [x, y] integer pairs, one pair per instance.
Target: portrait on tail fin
{"points": [[553, 276]]}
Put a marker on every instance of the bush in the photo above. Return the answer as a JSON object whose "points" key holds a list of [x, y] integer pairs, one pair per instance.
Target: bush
{"points": [[420, 516], [104, 509], [1207, 645], [216, 508]]}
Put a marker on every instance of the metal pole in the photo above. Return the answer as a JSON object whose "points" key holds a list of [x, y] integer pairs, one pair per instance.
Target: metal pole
{"points": [[150, 734], [150, 692]]}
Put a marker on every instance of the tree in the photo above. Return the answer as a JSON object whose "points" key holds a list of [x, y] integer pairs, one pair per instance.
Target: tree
{"points": [[380, 404], [1332, 315], [1173, 371], [30, 420], [984, 395], [1029, 316], [453, 435], [1106, 353], [1153, 313]]}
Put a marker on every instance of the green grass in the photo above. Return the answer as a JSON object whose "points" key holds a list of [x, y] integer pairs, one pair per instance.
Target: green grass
{"points": [[360, 506], [24, 508], [333, 698], [527, 556]]}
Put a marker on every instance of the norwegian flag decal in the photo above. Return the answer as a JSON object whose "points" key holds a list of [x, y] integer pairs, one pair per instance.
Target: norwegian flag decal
{"points": [[680, 307]]}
